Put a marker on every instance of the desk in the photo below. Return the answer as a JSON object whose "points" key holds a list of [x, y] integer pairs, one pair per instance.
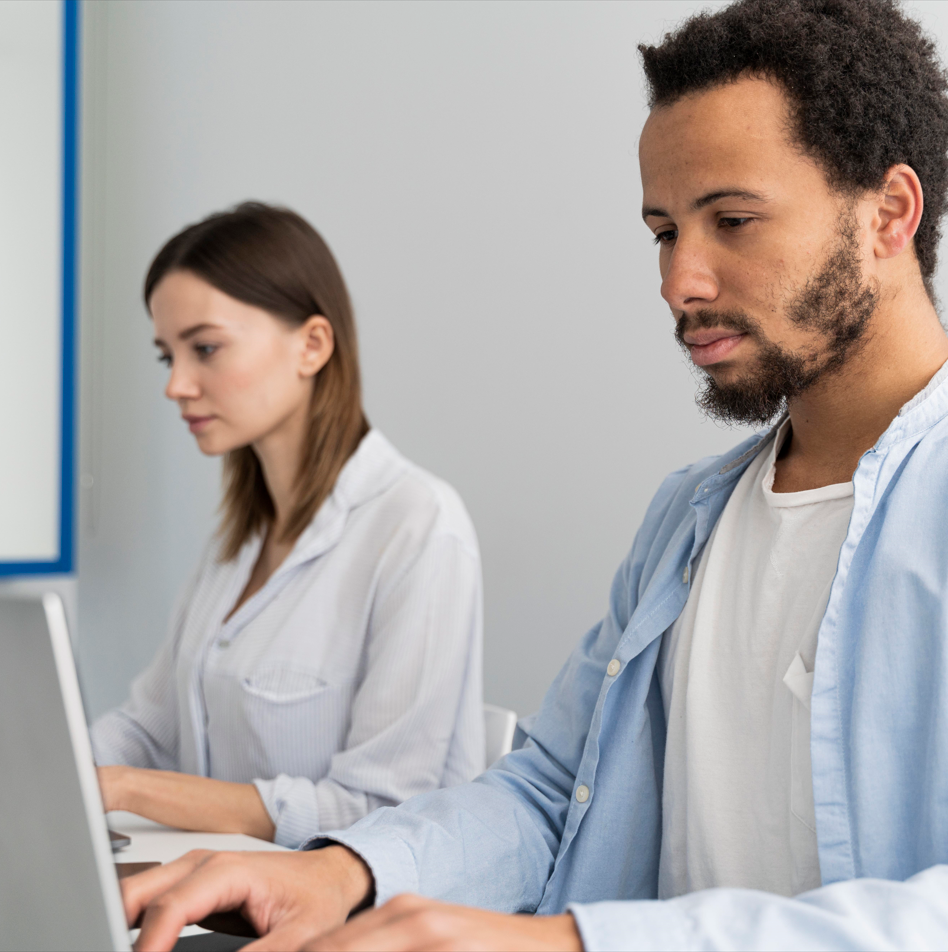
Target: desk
{"points": [[154, 843]]}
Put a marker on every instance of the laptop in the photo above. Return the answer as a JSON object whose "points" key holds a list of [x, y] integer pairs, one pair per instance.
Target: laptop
{"points": [[58, 885]]}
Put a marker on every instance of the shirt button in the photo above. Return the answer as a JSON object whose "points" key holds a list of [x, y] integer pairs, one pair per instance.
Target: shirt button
{"points": [[684, 575], [223, 643], [582, 793], [613, 668]]}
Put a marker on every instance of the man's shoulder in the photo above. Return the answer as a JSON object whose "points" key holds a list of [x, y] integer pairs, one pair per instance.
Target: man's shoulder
{"points": [[680, 487], [670, 513]]}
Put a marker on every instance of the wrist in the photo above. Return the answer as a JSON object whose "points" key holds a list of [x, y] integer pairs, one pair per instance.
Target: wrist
{"points": [[564, 932], [355, 880], [113, 784], [125, 789]]}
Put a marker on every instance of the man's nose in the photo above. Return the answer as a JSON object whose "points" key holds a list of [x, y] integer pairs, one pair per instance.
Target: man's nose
{"points": [[689, 280]]}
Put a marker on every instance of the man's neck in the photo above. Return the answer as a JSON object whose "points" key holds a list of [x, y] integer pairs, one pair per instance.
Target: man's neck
{"points": [[839, 419]]}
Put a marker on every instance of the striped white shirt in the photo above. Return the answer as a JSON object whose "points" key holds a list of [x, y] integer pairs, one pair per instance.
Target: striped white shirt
{"points": [[351, 680]]}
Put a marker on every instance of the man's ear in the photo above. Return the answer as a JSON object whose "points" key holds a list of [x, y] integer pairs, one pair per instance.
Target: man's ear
{"points": [[317, 344], [898, 211]]}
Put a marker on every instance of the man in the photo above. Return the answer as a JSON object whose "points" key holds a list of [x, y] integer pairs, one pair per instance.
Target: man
{"points": [[764, 707]]}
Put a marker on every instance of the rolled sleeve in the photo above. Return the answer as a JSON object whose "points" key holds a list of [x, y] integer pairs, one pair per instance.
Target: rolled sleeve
{"points": [[388, 856], [856, 914]]}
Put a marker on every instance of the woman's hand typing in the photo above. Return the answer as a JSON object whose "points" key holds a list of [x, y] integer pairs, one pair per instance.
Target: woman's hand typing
{"points": [[186, 801]]}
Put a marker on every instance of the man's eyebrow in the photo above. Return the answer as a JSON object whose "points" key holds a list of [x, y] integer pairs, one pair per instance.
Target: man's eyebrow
{"points": [[709, 199], [649, 212], [713, 197]]}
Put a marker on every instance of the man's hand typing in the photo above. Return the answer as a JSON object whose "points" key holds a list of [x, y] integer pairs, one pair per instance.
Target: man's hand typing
{"points": [[289, 898]]}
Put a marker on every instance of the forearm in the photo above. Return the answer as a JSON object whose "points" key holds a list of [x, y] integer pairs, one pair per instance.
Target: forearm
{"points": [[478, 843], [186, 802]]}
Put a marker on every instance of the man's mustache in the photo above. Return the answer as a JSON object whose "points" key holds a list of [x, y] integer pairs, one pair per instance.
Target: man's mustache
{"points": [[707, 318]]}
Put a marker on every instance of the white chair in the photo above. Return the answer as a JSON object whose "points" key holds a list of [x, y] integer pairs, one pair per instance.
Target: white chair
{"points": [[499, 726]]}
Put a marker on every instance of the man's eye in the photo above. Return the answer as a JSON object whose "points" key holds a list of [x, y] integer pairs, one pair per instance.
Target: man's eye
{"points": [[666, 237], [733, 222]]}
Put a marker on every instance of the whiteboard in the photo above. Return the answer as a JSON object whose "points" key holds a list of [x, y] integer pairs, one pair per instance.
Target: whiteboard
{"points": [[38, 80]]}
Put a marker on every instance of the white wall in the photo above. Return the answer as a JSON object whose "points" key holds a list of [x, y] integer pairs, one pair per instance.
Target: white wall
{"points": [[31, 241], [473, 166]]}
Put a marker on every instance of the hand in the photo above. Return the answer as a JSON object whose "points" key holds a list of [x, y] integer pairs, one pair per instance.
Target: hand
{"points": [[186, 801], [287, 897], [412, 923]]}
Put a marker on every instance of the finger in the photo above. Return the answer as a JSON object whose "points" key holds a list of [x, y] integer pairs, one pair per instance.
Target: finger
{"points": [[406, 934], [373, 919], [287, 937], [140, 889], [404, 922], [218, 884]]}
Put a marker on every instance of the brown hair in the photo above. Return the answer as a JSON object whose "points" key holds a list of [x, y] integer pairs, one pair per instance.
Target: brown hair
{"points": [[273, 259]]}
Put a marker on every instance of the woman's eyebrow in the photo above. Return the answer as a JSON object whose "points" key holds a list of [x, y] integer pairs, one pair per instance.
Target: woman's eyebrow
{"points": [[190, 332], [196, 329]]}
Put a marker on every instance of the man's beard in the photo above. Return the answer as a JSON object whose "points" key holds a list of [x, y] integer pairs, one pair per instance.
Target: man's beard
{"points": [[835, 303]]}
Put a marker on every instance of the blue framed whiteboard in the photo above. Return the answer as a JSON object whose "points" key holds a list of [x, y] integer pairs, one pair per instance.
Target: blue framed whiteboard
{"points": [[39, 90]]}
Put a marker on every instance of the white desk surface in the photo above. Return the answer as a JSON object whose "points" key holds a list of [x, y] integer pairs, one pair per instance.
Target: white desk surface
{"points": [[152, 842]]}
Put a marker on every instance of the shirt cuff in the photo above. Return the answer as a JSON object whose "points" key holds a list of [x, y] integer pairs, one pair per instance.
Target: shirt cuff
{"points": [[633, 925], [291, 803], [388, 857]]}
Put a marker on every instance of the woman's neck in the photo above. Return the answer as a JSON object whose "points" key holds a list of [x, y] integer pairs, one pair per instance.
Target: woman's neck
{"points": [[279, 454]]}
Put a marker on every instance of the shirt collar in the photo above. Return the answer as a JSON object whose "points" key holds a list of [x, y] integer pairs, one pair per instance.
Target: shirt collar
{"points": [[925, 409], [372, 468]]}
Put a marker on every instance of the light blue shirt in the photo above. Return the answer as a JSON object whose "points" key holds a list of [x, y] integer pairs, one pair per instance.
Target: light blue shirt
{"points": [[573, 819]]}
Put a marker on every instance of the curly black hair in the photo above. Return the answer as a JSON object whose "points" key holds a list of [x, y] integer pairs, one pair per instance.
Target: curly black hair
{"points": [[866, 87]]}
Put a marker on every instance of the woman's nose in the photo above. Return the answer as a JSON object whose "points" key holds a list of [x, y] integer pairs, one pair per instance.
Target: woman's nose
{"points": [[181, 384], [689, 280]]}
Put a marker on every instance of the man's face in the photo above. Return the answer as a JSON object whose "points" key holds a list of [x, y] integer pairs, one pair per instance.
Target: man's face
{"points": [[761, 261]]}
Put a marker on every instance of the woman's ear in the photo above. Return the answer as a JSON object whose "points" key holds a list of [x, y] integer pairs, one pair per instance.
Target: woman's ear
{"points": [[317, 344], [898, 211]]}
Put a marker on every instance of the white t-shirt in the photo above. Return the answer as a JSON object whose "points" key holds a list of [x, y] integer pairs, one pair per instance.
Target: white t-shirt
{"points": [[736, 675]]}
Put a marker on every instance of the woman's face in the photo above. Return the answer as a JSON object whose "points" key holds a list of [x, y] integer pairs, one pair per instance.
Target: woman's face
{"points": [[238, 374]]}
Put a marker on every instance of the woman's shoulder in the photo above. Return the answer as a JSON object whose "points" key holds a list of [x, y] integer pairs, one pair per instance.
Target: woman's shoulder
{"points": [[386, 485]]}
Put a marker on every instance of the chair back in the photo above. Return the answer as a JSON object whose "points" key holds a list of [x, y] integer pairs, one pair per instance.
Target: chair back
{"points": [[499, 726]]}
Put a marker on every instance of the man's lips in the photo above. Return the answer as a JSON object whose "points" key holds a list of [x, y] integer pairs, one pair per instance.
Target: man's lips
{"points": [[712, 346], [196, 423]]}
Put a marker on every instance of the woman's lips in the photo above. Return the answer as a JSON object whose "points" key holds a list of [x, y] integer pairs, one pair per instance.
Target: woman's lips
{"points": [[196, 424], [707, 349]]}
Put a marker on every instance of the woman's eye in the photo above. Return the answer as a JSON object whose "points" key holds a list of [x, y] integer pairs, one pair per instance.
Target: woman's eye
{"points": [[733, 222], [204, 350], [666, 237], [164, 359]]}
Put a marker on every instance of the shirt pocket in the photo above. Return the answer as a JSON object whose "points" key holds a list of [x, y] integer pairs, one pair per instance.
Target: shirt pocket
{"points": [[297, 719], [282, 684]]}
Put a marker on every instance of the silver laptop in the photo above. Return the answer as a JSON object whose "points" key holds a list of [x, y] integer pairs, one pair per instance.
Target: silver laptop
{"points": [[58, 887]]}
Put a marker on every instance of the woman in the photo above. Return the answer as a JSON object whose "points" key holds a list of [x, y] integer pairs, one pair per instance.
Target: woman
{"points": [[326, 657]]}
